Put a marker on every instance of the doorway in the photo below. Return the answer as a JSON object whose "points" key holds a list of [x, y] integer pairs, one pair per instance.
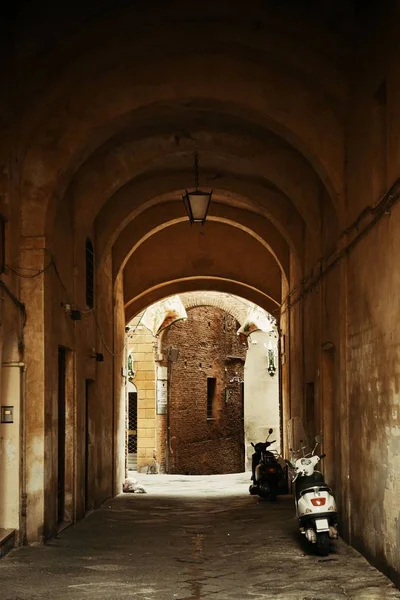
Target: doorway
{"points": [[61, 435], [131, 432], [88, 396], [327, 410]]}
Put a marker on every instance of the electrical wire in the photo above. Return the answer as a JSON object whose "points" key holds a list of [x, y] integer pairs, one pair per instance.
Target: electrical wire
{"points": [[22, 309], [381, 209], [15, 270], [85, 312], [111, 352]]}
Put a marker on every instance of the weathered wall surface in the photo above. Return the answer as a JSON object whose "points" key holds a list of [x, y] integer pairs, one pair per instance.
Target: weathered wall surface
{"points": [[373, 315], [201, 445], [12, 371], [374, 375]]}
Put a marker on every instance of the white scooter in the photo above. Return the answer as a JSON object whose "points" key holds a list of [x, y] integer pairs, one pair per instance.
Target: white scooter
{"points": [[314, 501]]}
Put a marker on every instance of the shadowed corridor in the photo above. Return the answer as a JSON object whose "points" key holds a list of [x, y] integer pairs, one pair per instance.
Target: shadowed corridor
{"points": [[189, 538]]}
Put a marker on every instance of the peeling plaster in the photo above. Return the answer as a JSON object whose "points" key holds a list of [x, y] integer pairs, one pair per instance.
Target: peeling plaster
{"points": [[8, 448]]}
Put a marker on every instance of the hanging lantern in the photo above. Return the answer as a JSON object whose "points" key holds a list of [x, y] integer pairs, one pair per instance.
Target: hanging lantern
{"points": [[271, 360], [197, 202]]}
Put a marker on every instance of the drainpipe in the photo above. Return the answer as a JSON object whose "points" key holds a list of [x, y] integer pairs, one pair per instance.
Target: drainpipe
{"points": [[172, 357], [280, 394], [168, 440], [22, 433]]}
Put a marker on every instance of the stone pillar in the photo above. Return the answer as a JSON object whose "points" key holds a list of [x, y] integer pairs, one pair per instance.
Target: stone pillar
{"points": [[296, 347], [32, 294], [120, 387], [343, 463]]}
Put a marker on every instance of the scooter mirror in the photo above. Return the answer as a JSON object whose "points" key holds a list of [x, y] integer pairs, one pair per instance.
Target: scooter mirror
{"points": [[319, 439], [270, 430]]}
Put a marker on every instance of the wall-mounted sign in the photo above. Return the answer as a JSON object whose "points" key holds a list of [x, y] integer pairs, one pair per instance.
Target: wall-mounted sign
{"points": [[162, 390], [7, 414]]}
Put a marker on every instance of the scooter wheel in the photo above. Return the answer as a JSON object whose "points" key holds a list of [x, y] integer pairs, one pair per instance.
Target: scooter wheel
{"points": [[253, 490], [323, 543]]}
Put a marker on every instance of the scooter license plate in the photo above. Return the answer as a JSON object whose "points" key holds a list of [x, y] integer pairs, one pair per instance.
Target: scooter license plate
{"points": [[322, 525]]}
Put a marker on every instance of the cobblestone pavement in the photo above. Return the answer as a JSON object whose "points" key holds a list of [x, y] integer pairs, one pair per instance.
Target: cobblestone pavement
{"points": [[186, 540]]}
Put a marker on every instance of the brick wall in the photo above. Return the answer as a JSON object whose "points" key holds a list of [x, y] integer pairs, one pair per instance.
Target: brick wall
{"points": [[204, 445]]}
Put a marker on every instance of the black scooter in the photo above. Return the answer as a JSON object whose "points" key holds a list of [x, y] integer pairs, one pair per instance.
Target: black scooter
{"points": [[267, 473]]}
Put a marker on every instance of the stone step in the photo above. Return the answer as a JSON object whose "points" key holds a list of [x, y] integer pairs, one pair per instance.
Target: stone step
{"points": [[7, 541], [132, 462]]}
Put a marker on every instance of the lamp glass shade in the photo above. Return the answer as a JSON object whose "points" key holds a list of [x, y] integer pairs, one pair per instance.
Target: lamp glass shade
{"points": [[197, 204]]}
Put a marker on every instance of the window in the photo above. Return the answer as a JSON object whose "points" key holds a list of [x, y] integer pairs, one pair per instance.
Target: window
{"points": [[211, 386], [89, 274]]}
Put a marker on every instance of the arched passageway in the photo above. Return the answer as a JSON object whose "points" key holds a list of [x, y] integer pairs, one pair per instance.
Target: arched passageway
{"points": [[296, 126], [205, 389]]}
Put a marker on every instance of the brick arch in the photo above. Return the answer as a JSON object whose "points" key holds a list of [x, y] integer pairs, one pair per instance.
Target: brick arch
{"points": [[233, 305], [196, 284]]}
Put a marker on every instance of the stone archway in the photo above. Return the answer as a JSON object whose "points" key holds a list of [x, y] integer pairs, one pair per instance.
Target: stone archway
{"points": [[249, 383]]}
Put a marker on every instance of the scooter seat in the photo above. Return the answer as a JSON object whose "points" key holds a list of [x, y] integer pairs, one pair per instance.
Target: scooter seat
{"points": [[321, 488], [309, 481]]}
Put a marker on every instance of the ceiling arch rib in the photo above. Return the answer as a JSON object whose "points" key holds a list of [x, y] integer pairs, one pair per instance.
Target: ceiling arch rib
{"points": [[168, 215], [267, 160], [139, 196], [211, 252], [196, 284], [98, 111]]}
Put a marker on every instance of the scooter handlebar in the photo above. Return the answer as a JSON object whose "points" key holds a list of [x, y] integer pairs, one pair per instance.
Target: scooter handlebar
{"points": [[322, 456]]}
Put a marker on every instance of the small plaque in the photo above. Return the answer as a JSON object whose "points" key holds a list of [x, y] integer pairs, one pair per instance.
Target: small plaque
{"points": [[7, 414], [162, 396]]}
